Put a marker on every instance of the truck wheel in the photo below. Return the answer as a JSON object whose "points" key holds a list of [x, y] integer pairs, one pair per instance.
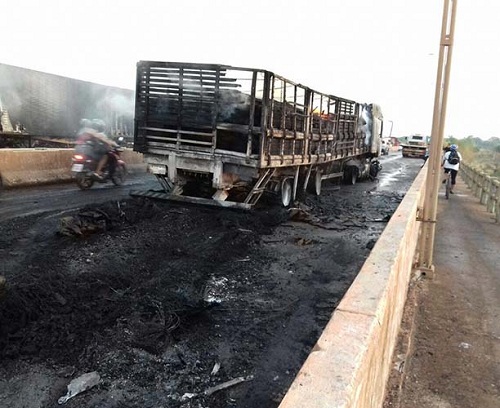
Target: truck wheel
{"points": [[286, 192], [375, 168], [351, 175]]}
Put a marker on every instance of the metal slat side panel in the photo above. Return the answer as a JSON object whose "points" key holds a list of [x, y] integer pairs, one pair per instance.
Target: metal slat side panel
{"points": [[206, 107], [141, 108], [209, 106], [321, 128]]}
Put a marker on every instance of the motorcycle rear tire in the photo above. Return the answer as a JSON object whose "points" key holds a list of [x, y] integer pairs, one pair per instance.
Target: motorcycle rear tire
{"points": [[118, 177], [83, 181]]}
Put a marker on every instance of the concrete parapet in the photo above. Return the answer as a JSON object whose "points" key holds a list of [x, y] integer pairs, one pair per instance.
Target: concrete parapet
{"points": [[349, 365], [24, 167]]}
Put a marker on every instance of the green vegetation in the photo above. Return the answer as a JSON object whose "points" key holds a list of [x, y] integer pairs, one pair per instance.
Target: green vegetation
{"points": [[483, 154]]}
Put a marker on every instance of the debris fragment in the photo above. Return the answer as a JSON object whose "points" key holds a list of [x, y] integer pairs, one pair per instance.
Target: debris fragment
{"points": [[80, 384], [188, 395], [222, 386], [304, 241], [399, 364], [84, 223], [299, 214], [227, 384], [216, 368]]}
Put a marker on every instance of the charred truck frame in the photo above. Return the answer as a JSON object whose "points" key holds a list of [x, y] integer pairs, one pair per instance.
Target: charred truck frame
{"points": [[225, 135]]}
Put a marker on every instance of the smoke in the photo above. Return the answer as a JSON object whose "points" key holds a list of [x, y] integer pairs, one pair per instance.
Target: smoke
{"points": [[116, 107], [10, 99], [116, 102], [365, 124], [234, 106], [53, 105]]}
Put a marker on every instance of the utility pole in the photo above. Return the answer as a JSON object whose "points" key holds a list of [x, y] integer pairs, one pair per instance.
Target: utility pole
{"points": [[390, 132], [434, 173]]}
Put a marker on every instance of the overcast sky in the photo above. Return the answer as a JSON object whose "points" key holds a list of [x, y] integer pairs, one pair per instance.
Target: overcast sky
{"points": [[382, 51]]}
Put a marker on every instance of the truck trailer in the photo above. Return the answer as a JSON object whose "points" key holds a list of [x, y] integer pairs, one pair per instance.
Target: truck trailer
{"points": [[225, 135]]}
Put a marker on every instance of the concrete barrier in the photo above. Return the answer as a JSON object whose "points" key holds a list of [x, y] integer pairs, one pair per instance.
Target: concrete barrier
{"points": [[350, 363], [483, 186], [24, 167]]}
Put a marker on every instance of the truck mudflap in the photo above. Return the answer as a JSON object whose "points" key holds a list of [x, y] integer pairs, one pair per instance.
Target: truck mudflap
{"points": [[162, 195]]}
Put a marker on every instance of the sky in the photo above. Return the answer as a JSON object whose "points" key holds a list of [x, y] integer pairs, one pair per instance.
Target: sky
{"points": [[370, 51]]}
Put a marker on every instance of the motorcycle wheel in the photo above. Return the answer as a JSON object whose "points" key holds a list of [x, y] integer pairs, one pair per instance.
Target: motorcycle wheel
{"points": [[83, 181], [118, 177]]}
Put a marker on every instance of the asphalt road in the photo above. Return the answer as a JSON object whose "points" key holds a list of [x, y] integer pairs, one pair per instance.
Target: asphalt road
{"points": [[67, 197]]}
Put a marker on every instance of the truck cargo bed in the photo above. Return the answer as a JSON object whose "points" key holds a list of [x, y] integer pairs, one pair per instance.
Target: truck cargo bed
{"points": [[230, 125]]}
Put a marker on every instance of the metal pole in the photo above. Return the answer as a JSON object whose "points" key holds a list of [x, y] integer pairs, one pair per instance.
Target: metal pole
{"points": [[438, 121]]}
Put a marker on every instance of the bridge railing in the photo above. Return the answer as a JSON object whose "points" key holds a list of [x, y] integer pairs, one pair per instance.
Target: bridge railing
{"points": [[484, 187]]}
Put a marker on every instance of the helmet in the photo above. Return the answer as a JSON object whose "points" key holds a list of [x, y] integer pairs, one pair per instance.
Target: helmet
{"points": [[98, 124], [85, 123], [453, 147]]}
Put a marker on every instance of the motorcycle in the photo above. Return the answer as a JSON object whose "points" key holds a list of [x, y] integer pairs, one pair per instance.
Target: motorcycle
{"points": [[84, 164]]}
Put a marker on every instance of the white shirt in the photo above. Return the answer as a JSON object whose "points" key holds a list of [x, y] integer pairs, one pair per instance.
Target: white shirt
{"points": [[447, 165]]}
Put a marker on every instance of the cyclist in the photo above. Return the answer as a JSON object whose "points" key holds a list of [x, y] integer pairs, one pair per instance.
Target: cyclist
{"points": [[451, 163]]}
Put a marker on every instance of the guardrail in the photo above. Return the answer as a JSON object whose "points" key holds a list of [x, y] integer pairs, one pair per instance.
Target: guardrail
{"points": [[484, 187]]}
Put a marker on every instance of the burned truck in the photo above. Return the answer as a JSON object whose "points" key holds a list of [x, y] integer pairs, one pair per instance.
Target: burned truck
{"points": [[225, 135]]}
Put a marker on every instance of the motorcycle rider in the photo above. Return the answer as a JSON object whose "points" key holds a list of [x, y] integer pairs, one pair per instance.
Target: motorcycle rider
{"points": [[94, 131]]}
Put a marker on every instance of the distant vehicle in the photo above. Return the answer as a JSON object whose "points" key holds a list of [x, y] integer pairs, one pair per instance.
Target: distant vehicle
{"points": [[385, 147], [415, 146]]}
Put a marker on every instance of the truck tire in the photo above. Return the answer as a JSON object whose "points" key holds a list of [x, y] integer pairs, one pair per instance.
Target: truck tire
{"points": [[375, 168], [351, 175]]}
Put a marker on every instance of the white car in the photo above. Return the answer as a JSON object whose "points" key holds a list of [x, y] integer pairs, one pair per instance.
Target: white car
{"points": [[384, 147]]}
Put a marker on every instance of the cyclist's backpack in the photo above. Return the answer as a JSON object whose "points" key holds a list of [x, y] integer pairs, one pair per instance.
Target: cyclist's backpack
{"points": [[453, 157]]}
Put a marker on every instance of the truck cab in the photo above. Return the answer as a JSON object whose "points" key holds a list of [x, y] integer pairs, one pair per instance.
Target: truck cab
{"points": [[415, 146]]}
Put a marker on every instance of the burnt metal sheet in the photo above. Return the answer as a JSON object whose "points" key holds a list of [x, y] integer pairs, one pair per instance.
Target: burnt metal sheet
{"points": [[159, 195]]}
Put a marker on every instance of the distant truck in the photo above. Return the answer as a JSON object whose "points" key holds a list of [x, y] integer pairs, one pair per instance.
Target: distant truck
{"points": [[226, 135], [415, 146]]}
